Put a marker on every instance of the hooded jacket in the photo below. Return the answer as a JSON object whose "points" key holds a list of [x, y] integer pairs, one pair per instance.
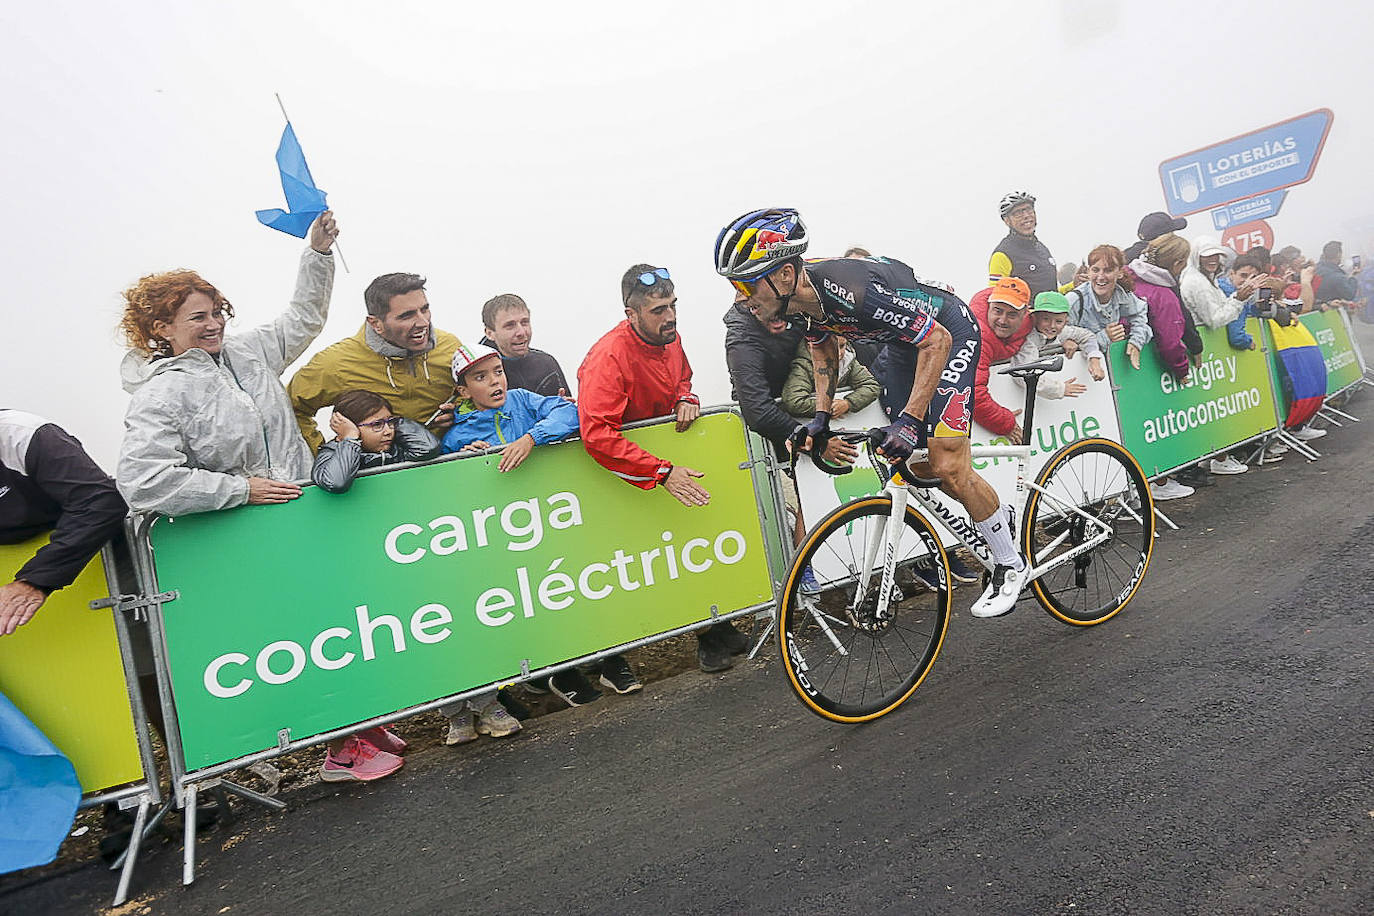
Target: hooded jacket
{"points": [[759, 361], [414, 384], [198, 426], [1124, 306], [337, 463], [624, 379], [1201, 295], [546, 418], [1155, 285], [987, 412]]}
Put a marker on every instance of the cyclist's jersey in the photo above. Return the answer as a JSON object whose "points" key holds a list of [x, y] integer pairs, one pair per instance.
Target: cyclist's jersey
{"points": [[883, 300]]}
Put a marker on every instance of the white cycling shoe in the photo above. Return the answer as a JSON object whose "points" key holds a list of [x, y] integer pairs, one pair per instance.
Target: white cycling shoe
{"points": [[1003, 591]]}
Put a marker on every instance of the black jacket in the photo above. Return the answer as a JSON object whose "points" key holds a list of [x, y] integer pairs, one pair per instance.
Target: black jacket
{"points": [[759, 362], [538, 372], [48, 482], [338, 462]]}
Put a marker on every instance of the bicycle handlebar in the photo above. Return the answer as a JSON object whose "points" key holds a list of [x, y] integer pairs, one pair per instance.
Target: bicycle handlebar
{"points": [[873, 437]]}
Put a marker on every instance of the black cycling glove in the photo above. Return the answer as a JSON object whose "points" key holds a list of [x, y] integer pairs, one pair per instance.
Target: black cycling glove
{"points": [[904, 436]]}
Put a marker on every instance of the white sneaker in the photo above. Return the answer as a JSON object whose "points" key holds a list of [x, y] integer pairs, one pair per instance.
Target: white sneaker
{"points": [[460, 730], [1169, 489], [1308, 433], [1228, 465], [1003, 591], [1276, 448], [493, 720]]}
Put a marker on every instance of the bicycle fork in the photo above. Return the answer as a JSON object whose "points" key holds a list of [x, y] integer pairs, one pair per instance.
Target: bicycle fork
{"points": [[888, 539]]}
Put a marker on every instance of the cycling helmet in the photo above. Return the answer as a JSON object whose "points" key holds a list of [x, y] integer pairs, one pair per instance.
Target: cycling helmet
{"points": [[758, 242], [1012, 201]]}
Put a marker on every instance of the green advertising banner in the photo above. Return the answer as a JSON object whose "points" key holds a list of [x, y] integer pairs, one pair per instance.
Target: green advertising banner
{"points": [[63, 670], [1342, 365], [428, 581], [1167, 424]]}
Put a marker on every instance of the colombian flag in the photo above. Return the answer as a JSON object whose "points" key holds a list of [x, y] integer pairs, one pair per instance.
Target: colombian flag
{"points": [[1305, 369]]}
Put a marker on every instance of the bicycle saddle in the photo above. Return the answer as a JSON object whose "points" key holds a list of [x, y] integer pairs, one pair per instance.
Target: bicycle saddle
{"points": [[1044, 364]]}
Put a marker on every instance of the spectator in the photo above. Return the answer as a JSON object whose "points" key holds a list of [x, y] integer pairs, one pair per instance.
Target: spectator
{"points": [[514, 420], [637, 371], [799, 394], [1001, 311], [1050, 326], [506, 326], [191, 444], [1242, 281], [1331, 284], [1154, 275], [857, 252], [1152, 226], [1106, 305], [1021, 254], [1208, 303], [397, 352], [49, 483], [367, 434], [1068, 273]]}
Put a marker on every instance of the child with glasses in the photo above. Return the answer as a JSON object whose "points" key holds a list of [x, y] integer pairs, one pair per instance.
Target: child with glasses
{"points": [[367, 434]]}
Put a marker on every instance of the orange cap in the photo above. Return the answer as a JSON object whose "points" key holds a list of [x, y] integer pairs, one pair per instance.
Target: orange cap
{"points": [[1011, 290]]}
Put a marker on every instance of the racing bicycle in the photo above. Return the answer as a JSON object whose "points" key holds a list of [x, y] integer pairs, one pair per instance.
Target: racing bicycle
{"points": [[866, 602]]}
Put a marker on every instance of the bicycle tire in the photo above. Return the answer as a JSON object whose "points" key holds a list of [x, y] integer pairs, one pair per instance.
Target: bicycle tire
{"points": [[1103, 479], [817, 636]]}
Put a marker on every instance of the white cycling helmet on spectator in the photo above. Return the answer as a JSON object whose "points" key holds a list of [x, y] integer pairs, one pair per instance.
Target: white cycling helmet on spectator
{"points": [[1013, 200]]}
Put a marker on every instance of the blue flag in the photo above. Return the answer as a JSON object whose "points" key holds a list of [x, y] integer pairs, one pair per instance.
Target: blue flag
{"points": [[304, 200], [38, 793]]}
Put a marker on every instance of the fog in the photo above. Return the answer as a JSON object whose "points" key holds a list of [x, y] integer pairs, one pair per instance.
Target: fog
{"points": [[543, 148]]}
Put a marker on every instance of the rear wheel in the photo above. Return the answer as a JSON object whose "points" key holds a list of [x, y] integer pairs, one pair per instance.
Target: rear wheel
{"points": [[849, 655], [1093, 491]]}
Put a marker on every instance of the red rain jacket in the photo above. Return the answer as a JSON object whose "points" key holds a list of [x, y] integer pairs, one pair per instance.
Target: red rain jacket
{"points": [[987, 412]]}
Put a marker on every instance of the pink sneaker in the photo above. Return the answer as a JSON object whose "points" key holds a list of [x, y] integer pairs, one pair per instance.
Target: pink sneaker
{"points": [[383, 739], [359, 761]]}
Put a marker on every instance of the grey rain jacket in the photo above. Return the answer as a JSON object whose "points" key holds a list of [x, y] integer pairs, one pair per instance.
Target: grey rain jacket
{"points": [[339, 461], [198, 427]]}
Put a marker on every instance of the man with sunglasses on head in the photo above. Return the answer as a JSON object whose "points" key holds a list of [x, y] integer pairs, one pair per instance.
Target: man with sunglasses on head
{"points": [[927, 367], [635, 372]]}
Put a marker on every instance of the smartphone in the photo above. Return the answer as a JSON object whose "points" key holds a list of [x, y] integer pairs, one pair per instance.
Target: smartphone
{"points": [[1354, 262], [1265, 294]]}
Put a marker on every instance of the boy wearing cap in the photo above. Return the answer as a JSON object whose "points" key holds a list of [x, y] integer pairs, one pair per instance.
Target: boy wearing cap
{"points": [[1001, 313], [1050, 326], [490, 416], [516, 419]]}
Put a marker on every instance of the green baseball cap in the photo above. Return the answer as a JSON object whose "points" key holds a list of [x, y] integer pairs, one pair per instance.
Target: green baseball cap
{"points": [[1051, 301]]}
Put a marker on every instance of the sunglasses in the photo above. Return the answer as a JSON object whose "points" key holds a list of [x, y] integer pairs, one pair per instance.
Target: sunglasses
{"points": [[382, 424], [650, 277]]}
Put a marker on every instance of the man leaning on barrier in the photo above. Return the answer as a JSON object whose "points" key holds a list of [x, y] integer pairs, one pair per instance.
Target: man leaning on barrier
{"points": [[398, 353], [638, 371], [48, 482]]}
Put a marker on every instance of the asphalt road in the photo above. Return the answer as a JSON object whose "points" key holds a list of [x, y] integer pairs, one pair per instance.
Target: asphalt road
{"points": [[1209, 751]]}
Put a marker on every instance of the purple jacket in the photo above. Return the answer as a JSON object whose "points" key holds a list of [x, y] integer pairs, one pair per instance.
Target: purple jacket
{"points": [[1165, 314]]}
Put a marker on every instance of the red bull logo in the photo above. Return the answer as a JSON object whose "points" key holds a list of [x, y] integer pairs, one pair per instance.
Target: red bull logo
{"points": [[955, 416]]}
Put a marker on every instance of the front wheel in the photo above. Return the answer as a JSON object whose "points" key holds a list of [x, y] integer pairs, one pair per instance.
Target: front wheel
{"points": [[851, 653], [1089, 492]]}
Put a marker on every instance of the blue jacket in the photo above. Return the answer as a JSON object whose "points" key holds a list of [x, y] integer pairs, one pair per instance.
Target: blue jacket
{"points": [[545, 418], [1236, 334]]}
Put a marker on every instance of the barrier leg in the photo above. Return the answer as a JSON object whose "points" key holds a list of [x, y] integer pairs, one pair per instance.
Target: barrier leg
{"points": [[1165, 519], [131, 852], [1328, 409], [147, 830], [253, 796], [188, 856], [764, 632], [1299, 446]]}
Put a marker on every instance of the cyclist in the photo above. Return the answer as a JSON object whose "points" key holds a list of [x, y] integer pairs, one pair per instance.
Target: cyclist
{"points": [[931, 357]]}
